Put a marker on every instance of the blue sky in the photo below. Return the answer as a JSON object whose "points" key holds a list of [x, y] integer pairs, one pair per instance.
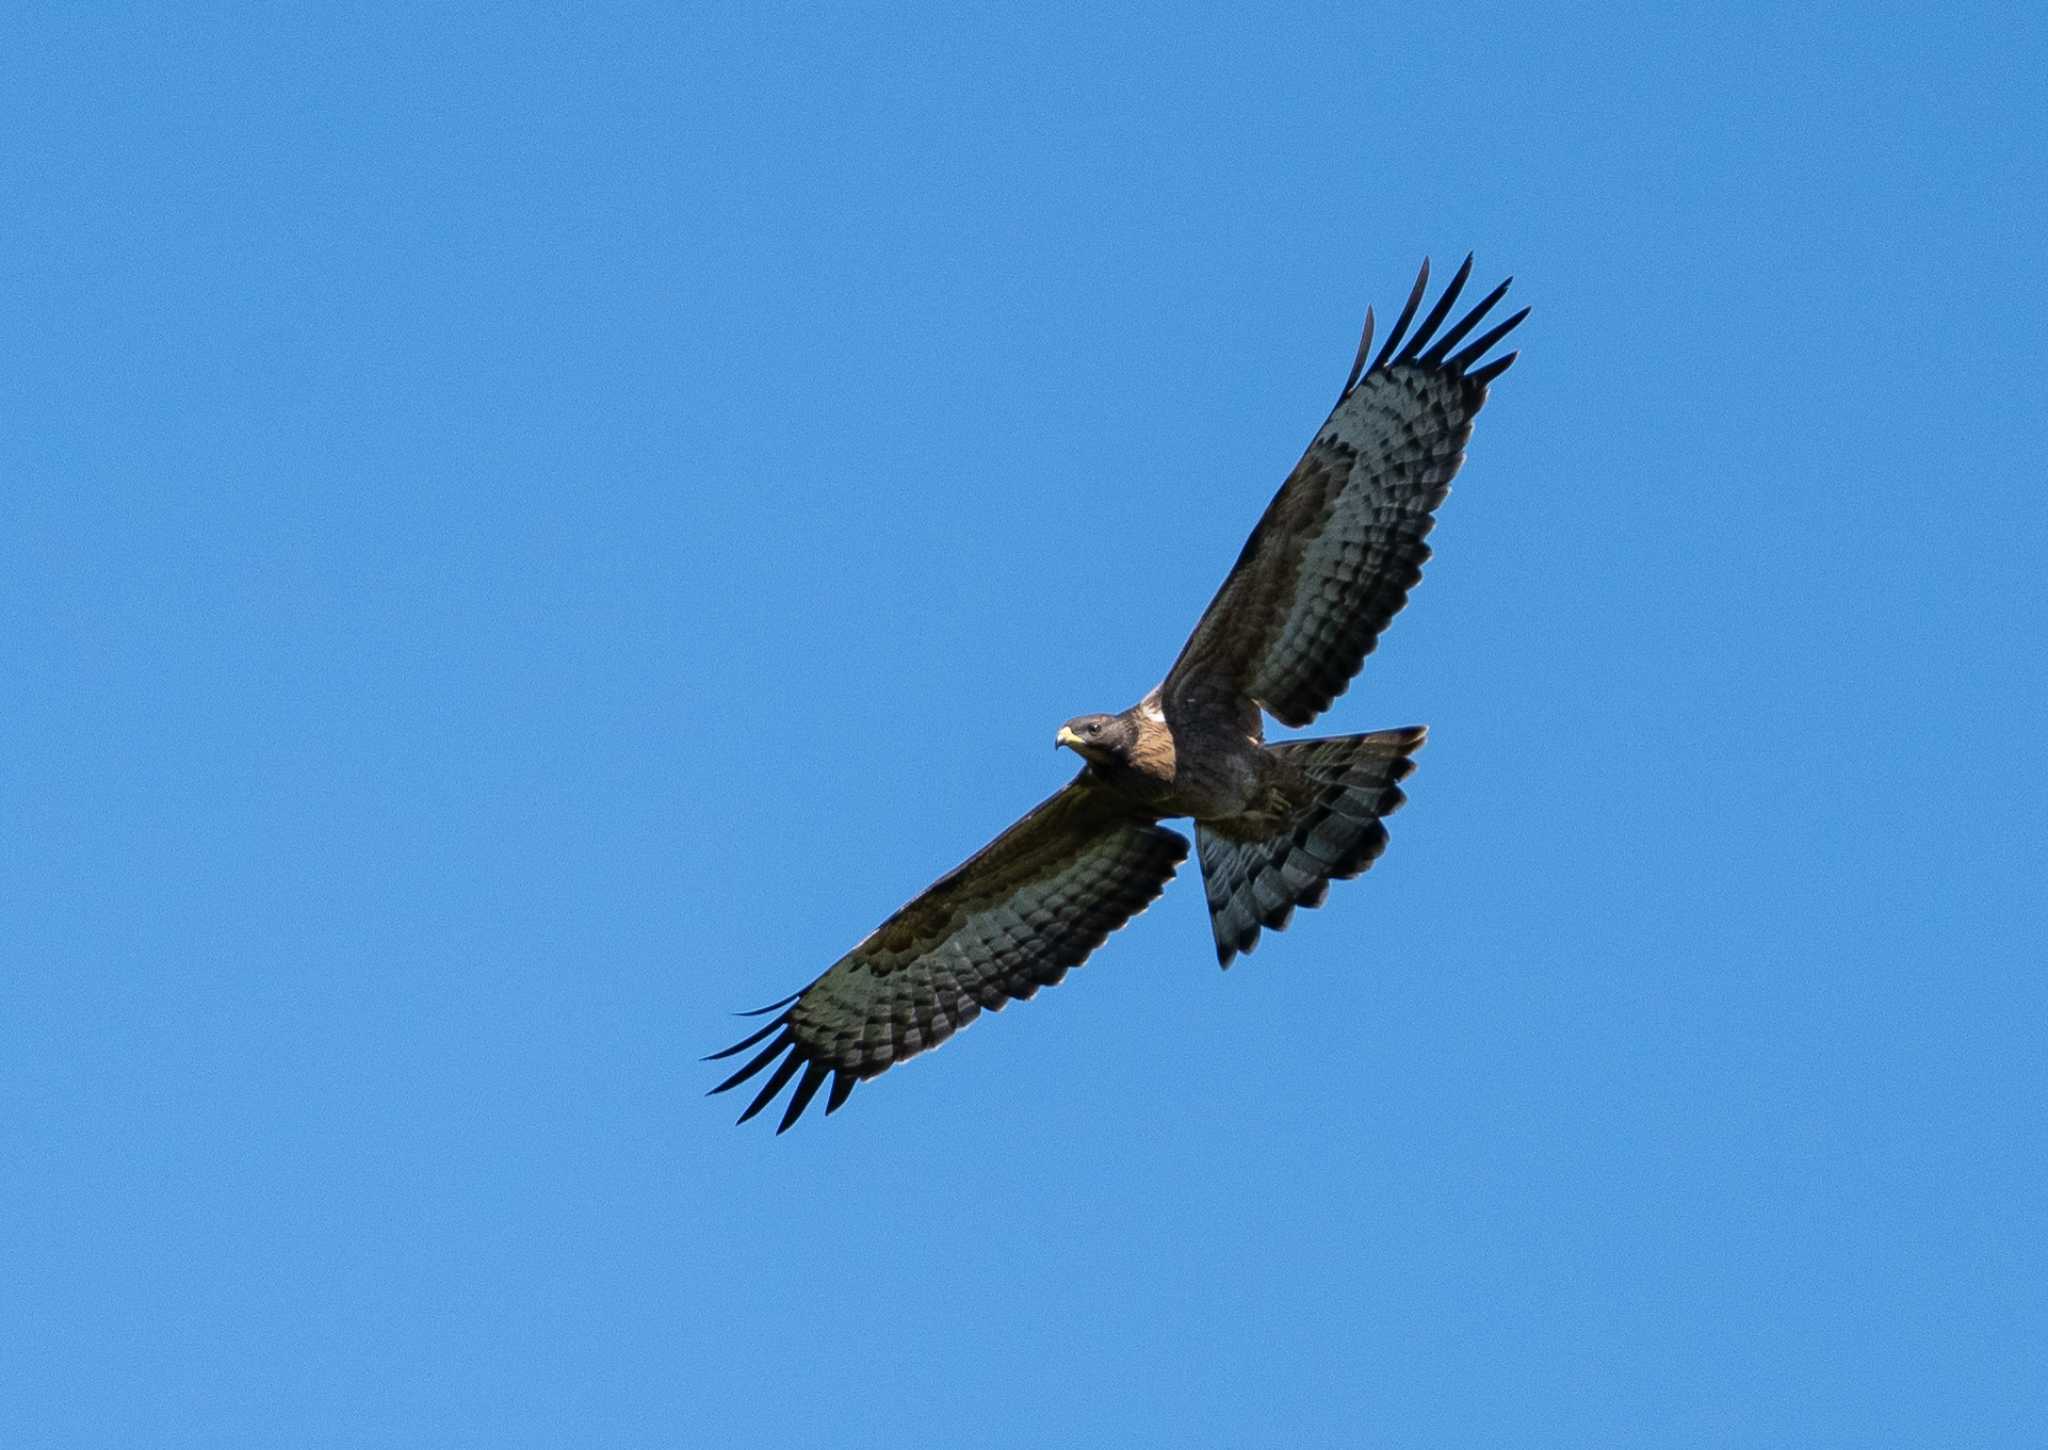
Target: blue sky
{"points": [[526, 534]]}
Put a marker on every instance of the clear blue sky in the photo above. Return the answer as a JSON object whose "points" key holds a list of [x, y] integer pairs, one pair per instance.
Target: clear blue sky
{"points": [[523, 535]]}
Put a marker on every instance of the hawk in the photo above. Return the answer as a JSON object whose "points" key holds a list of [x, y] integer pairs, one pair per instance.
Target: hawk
{"points": [[1329, 564]]}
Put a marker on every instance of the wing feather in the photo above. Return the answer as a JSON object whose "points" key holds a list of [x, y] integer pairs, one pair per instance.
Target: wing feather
{"points": [[1336, 553], [1016, 917], [1438, 313], [1401, 323]]}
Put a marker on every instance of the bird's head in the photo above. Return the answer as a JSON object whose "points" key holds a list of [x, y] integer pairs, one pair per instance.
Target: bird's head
{"points": [[1104, 739]]}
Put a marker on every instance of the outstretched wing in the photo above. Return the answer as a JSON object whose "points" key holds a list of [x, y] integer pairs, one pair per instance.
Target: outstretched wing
{"points": [[1342, 543], [1026, 907]]}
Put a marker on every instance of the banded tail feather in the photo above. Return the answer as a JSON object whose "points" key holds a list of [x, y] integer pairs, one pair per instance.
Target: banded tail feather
{"points": [[1258, 883]]}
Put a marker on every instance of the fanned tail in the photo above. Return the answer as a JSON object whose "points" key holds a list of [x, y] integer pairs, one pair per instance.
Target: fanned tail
{"points": [[1254, 883]]}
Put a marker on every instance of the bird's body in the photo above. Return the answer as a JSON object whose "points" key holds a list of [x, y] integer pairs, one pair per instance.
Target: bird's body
{"points": [[1331, 561]]}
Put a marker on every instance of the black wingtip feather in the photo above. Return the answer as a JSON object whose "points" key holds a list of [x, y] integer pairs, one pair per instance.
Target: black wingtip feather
{"points": [[745, 1042], [1438, 313], [1479, 349], [771, 1007], [767, 1056], [1407, 316], [1492, 370], [842, 1089], [1465, 324], [774, 1084], [1358, 363], [1439, 354], [806, 1089]]}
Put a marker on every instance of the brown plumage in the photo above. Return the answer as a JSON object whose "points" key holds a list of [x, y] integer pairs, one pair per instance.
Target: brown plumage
{"points": [[1329, 564]]}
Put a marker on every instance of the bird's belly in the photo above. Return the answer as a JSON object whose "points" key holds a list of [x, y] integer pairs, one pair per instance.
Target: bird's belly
{"points": [[1217, 787]]}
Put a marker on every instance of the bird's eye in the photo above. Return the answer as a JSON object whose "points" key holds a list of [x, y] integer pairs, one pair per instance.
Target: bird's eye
{"points": [[1093, 727]]}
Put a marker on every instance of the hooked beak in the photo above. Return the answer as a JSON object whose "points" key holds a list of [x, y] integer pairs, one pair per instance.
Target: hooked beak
{"points": [[1068, 738]]}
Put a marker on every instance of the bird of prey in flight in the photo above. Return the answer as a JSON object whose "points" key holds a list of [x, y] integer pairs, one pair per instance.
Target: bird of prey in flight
{"points": [[1329, 564]]}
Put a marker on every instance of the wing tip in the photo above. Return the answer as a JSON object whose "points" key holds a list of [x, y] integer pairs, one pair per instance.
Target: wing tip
{"points": [[743, 1044], [1484, 376], [1358, 362], [806, 1089], [771, 1007], [781, 1076], [1401, 346], [1401, 323], [1444, 302], [755, 1064]]}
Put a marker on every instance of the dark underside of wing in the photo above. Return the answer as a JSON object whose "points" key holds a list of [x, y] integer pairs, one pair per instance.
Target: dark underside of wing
{"points": [[1344, 540], [1016, 917]]}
